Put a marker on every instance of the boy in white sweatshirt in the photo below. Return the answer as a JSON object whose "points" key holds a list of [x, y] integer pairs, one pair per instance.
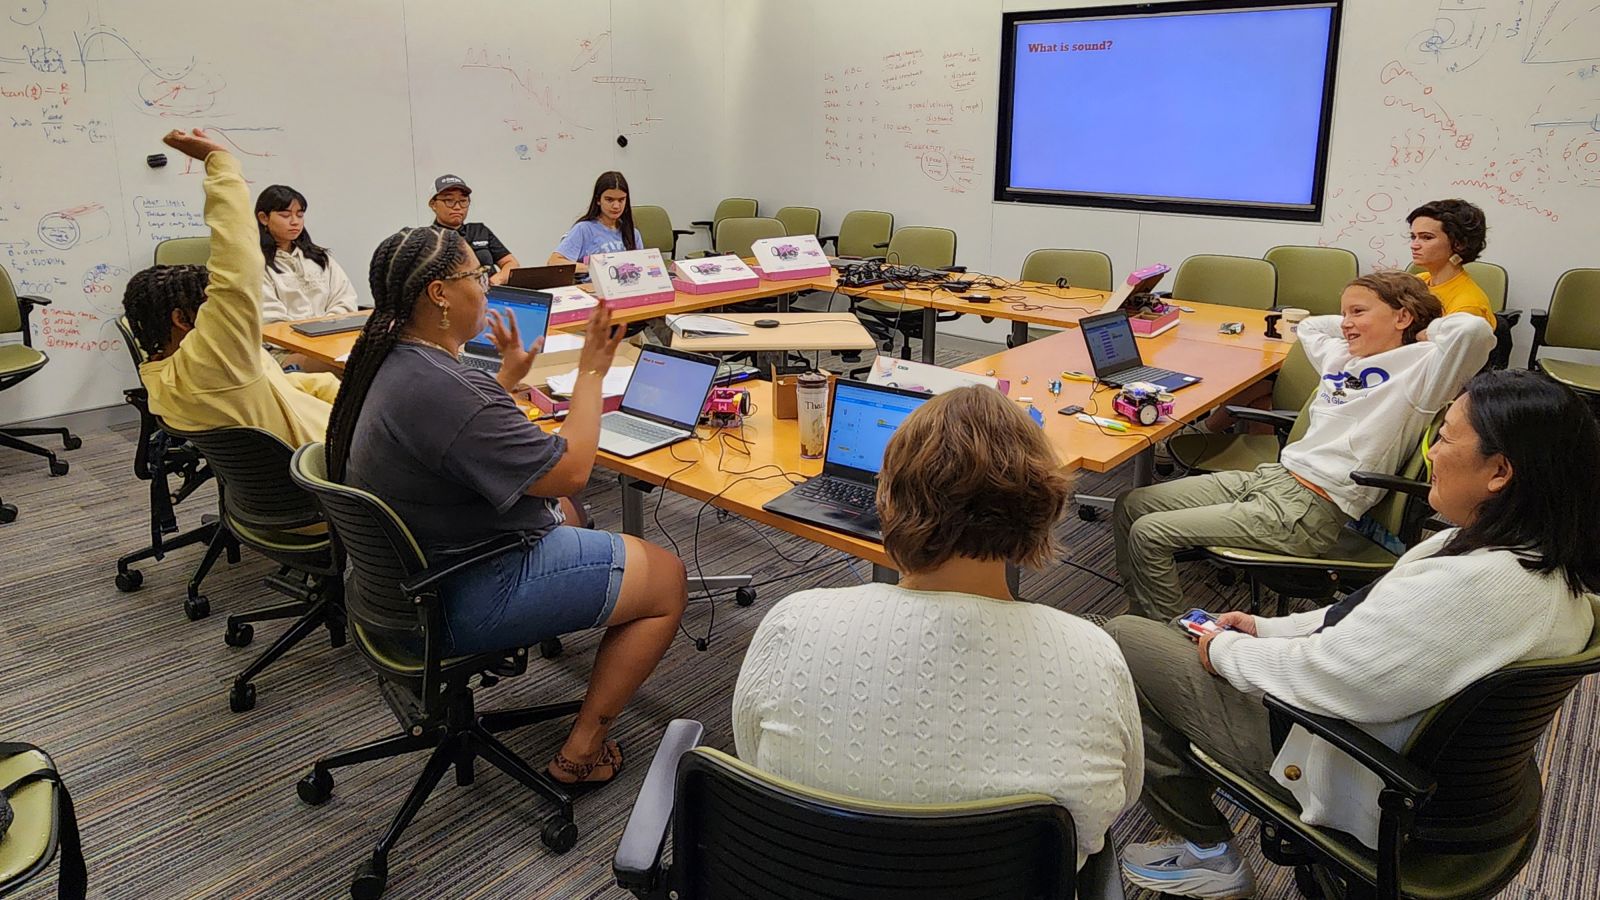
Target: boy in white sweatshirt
{"points": [[1389, 363]]}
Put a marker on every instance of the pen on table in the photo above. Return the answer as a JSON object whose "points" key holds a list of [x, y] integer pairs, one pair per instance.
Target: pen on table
{"points": [[1103, 422]]}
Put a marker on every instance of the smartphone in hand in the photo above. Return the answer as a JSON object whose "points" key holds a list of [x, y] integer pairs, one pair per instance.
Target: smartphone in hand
{"points": [[1197, 622]]}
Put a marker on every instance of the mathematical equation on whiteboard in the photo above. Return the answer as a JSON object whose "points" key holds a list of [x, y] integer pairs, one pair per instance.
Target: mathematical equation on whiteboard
{"points": [[907, 110]]}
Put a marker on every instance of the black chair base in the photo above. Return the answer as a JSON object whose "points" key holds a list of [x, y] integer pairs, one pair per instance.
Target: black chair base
{"points": [[13, 438], [319, 604], [464, 738], [130, 579]]}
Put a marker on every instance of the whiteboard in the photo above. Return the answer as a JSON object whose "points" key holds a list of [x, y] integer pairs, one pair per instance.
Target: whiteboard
{"points": [[1498, 103], [359, 104]]}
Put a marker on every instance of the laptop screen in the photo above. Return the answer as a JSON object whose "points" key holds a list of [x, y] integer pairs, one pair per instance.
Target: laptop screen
{"points": [[1111, 342], [530, 309], [669, 387], [864, 418]]}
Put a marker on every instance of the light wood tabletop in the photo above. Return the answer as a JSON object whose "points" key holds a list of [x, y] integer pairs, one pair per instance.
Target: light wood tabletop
{"points": [[795, 331]]}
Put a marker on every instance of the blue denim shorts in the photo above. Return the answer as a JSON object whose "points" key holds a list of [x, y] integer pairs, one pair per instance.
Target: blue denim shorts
{"points": [[567, 582]]}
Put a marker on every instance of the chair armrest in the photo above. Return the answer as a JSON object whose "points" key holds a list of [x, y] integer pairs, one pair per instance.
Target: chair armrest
{"points": [[881, 246], [1539, 317], [702, 223], [1418, 489], [1282, 419], [25, 305], [465, 558], [1397, 772], [829, 239], [681, 232], [1512, 316], [638, 860]]}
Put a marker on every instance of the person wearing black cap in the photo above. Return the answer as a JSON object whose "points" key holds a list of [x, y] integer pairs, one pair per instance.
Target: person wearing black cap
{"points": [[450, 202]]}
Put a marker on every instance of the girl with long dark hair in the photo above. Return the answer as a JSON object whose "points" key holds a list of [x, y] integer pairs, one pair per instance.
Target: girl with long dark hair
{"points": [[605, 227]]}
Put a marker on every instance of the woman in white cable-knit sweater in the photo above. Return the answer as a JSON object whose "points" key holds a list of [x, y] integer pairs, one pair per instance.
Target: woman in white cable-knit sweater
{"points": [[1513, 465], [943, 688]]}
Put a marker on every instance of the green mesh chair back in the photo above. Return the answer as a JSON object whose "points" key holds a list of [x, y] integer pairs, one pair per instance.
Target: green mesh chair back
{"points": [[737, 234], [1312, 277], [732, 208], [738, 832], [1575, 311], [1296, 383], [800, 219], [655, 226], [1480, 745], [189, 251], [10, 307], [1089, 269], [252, 470], [378, 547], [922, 245], [1226, 280], [863, 230]]}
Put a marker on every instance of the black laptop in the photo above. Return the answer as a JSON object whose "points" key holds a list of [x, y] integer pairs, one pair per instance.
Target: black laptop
{"points": [[844, 496], [537, 278], [321, 327], [1114, 353]]}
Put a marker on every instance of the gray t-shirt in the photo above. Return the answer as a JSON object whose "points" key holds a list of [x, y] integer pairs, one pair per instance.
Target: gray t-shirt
{"points": [[446, 447]]}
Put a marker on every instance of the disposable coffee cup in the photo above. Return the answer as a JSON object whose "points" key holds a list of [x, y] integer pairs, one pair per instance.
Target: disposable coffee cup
{"points": [[1292, 317], [811, 404]]}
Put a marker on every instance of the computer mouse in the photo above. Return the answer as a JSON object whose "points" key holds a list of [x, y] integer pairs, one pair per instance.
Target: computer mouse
{"points": [[765, 323]]}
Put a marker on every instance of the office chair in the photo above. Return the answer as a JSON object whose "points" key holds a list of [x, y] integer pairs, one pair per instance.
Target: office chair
{"points": [[1355, 561], [1312, 278], [1495, 283], [732, 207], [799, 219], [740, 832], [735, 234], [18, 362], [189, 251], [396, 619], [862, 233], [1572, 321], [261, 508], [1293, 389], [1226, 280], [655, 226], [914, 245], [1088, 269], [157, 457], [45, 823], [1460, 802]]}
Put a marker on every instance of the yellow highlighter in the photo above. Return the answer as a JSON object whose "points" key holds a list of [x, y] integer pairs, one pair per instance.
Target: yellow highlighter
{"points": [[1076, 376]]}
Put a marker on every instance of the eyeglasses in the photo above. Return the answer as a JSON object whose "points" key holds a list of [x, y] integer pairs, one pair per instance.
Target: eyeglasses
{"points": [[481, 273], [461, 203]]}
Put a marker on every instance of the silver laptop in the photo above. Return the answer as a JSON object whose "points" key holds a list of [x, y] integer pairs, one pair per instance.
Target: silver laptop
{"points": [[530, 309], [662, 402]]}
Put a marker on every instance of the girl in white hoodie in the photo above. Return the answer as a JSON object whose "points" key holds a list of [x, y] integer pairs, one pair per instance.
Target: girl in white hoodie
{"points": [[1516, 581], [1389, 363]]}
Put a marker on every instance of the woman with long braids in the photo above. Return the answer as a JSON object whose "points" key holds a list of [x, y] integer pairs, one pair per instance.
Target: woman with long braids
{"points": [[200, 326], [445, 446]]}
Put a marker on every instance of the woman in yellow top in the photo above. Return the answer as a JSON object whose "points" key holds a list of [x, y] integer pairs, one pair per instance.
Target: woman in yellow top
{"points": [[1445, 235], [200, 326]]}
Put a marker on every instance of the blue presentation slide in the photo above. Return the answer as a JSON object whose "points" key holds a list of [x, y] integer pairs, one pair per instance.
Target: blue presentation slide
{"points": [[1209, 106], [531, 320], [668, 386], [863, 422]]}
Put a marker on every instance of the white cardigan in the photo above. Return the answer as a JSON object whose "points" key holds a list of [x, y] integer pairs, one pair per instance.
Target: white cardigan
{"points": [[300, 289], [1428, 629], [925, 697]]}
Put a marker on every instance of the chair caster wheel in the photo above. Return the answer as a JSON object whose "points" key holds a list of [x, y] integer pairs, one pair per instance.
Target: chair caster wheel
{"points": [[1165, 469], [1305, 881], [559, 834], [58, 468], [1227, 577], [239, 635], [130, 581], [242, 697], [1089, 513], [744, 596], [316, 788], [8, 513], [72, 442], [550, 648], [369, 882], [336, 637], [196, 607]]}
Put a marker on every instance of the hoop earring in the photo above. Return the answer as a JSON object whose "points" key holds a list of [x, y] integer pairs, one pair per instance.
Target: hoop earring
{"points": [[1455, 259]]}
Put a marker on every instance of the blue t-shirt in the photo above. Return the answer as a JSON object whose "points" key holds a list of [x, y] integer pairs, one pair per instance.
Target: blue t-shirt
{"points": [[589, 236]]}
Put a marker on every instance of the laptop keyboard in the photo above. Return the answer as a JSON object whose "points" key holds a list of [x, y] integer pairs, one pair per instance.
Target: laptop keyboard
{"points": [[839, 492], [639, 429], [481, 362], [1142, 373]]}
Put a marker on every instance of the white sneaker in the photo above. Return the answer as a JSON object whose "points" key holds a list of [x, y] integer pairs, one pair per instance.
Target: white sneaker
{"points": [[1182, 869]]}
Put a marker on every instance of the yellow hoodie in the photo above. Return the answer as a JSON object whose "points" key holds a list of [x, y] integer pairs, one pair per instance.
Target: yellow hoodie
{"points": [[220, 375]]}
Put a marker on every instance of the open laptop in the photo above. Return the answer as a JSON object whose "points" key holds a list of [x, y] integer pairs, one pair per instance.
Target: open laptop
{"points": [[1114, 353], [537, 278], [844, 496], [321, 327], [530, 309], [661, 403]]}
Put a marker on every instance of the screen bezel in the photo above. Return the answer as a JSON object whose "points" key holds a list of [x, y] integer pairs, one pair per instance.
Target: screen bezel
{"points": [[1089, 323], [1307, 212], [663, 350], [518, 296], [851, 472]]}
